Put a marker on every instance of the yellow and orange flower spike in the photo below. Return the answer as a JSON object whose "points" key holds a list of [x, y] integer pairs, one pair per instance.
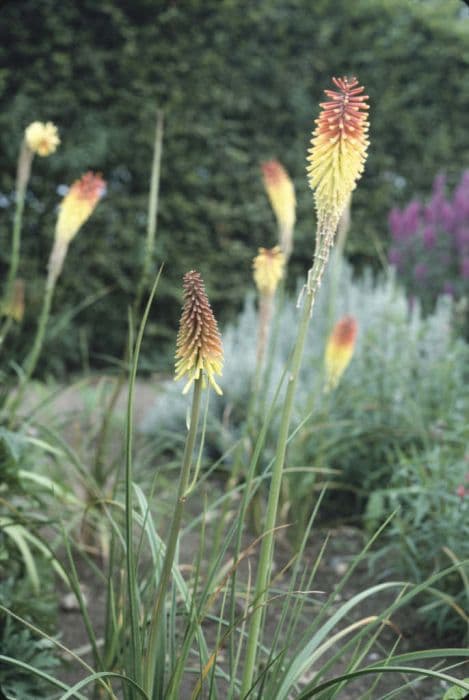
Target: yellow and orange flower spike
{"points": [[339, 350], [199, 353], [268, 269], [78, 205], [41, 138], [338, 149], [76, 208], [281, 193]]}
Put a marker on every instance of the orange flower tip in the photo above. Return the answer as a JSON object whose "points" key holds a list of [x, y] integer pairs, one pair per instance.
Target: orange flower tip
{"points": [[42, 138], [339, 350], [273, 171], [78, 205], [89, 188], [339, 146], [281, 193], [268, 268], [199, 353]]}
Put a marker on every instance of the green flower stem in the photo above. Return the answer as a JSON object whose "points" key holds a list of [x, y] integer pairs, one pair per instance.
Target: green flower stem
{"points": [[16, 243], [158, 609], [22, 178], [152, 208], [266, 553], [5, 330], [30, 362]]}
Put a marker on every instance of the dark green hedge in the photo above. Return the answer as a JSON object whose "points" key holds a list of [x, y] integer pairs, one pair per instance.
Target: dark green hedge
{"points": [[239, 82]]}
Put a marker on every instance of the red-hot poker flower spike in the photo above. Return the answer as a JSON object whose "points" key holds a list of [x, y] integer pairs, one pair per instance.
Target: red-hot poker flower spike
{"points": [[78, 205], [281, 193], [199, 351], [338, 148], [339, 350]]}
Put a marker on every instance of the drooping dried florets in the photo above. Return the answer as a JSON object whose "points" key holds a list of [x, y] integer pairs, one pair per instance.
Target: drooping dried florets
{"points": [[199, 351]]}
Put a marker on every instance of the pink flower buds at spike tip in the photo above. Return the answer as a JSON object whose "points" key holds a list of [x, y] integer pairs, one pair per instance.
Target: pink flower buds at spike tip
{"points": [[268, 269], [281, 193], [338, 149], [199, 351], [78, 205], [339, 350]]}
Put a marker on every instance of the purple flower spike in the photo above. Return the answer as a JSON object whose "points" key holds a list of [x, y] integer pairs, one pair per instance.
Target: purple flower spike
{"points": [[411, 218], [430, 243], [447, 217], [429, 236], [395, 257], [395, 223]]}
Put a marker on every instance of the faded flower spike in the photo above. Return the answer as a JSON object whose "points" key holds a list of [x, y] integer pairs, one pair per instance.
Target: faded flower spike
{"points": [[338, 149], [339, 350], [41, 138], [281, 193], [199, 351], [268, 269]]}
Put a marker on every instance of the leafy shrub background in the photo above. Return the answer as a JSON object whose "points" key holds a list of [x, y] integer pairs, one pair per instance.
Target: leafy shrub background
{"points": [[239, 82]]}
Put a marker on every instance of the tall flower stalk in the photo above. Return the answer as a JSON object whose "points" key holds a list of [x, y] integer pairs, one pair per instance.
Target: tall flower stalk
{"points": [[41, 139], [199, 357], [335, 163], [76, 208]]}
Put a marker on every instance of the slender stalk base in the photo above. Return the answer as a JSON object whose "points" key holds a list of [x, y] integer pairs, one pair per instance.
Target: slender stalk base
{"points": [[158, 609], [30, 362], [266, 553]]}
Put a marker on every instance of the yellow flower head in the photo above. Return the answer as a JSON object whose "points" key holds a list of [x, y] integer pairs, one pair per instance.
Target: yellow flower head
{"points": [[78, 205], [41, 138], [199, 351], [281, 193], [339, 350], [268, 269], [338, 148]]}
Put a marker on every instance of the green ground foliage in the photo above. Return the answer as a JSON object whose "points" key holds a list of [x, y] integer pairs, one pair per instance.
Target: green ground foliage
{"points": [[239, 82]]}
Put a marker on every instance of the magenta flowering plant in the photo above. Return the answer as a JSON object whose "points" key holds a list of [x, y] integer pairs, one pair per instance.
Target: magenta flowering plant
{"points": [[430, 243]]}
